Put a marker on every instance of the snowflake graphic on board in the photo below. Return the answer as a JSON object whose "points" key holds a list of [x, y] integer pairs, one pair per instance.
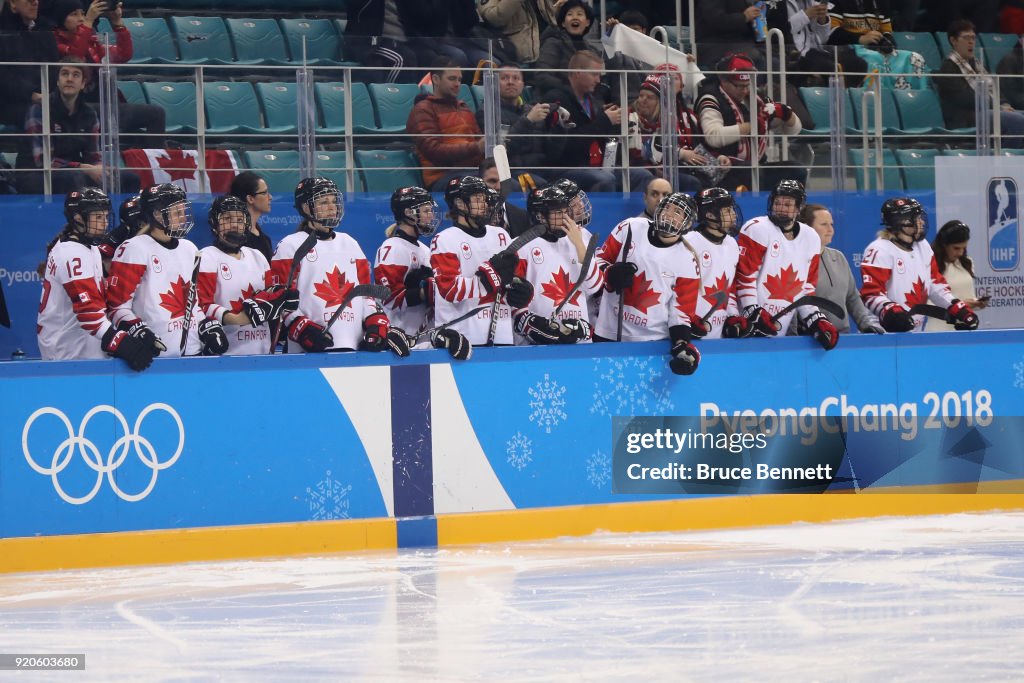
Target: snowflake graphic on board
{"points": [[328, 499], [629, 386], [599, 469], [547, 404], [519, 450], [1018, 380]]}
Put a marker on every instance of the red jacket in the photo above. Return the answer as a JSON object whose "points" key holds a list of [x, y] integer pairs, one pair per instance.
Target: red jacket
{"points": [[86, 45], [449, 136]]}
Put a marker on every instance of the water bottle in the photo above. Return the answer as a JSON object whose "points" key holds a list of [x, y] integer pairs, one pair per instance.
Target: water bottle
{"points": [[18, 355], [760, 24]]}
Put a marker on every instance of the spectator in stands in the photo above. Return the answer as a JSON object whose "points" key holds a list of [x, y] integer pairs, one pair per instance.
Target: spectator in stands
{"points": [[591, 123], [657, 189], [725, 26], [859, 22], [75, 155], [508, 215], [835, 279], [252, 189], [517, 20], [525, 128], [957, 90], [24, 37], [76, 37], [376, 35], [632, 19], [950, 249], [448, 140], [1012, 64], [725, 119]]}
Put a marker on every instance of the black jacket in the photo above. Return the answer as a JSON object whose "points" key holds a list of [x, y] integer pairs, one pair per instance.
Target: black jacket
{"points": [[586, 151], [19, 43], [530, 145]]}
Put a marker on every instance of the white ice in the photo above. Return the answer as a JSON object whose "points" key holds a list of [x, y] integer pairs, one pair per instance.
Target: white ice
{"points": [[914, 599]]}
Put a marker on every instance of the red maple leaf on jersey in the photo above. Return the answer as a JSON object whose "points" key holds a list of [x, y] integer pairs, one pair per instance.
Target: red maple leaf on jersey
{"points": [[558, 286], [719, 287], [247, 293], [178, 165], [174, 300], [918, 293], [333, 288], [786, 287], [640, 295]]}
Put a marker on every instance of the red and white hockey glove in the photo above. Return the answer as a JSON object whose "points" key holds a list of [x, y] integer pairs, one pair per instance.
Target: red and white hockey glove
{"points": [[761, 322], [960, 316], [823, 331], [379, 335], [138, 354], [310, 336]]}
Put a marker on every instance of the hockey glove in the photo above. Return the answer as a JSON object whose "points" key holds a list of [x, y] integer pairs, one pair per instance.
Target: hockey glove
{"points": [[823, 331], [498, 271], [574, 330], [310, 336], [777, 110], [761, 322], [268, 305], [211, 334], [698, 329], [895, 318], [619, 276], [519, 293], [137, 329], [736, 327], [685, 358], [415, 281], [136, 353], [378, 335], [961, 317], [458, 346], [538, 329]]}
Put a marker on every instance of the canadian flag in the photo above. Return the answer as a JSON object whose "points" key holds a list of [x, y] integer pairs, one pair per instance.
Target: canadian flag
{"points": [[181, 167]]}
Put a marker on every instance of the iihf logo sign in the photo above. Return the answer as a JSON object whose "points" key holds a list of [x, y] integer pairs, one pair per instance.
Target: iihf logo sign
{"points": [[63, 453], [1003, 224]]}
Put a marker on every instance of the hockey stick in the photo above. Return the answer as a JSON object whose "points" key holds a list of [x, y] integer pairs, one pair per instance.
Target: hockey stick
{"points": [[373, 291], [300, 253], [517, 244], [721, 299], [622, 295], [415, 339], [812, 300], [584, 269], [937, 312], [190, 303]]}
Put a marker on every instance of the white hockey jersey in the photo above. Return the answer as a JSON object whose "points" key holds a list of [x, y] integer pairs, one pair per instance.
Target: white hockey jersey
{"points": [[149, 281], [552, 267], [773, 271], [664, 292], [224, 281], [455, 255], [395, 258], [73, 309], [718, 277], [892, 274], [327, 273]]}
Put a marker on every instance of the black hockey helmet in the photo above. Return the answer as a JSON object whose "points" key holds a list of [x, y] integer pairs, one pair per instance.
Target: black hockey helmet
{"points": [[711, 203], [415, 206], [786, 188], [130, 214], [309, 191], [675, 214], [233, 235], [167, 206], [465, 188], [900, 214], [540, 203], [580, 208], [78, 207]]}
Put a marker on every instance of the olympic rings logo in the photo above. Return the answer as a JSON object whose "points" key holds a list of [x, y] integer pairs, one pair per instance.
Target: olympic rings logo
{"points": [[116, 456]]}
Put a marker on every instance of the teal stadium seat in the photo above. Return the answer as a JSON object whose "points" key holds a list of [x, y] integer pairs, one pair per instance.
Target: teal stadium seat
{"points": [[959, 152], [943, 42], [279, 167], [996, 46], [478, 95], [151, 41], [466, 95], [383, 170], [817, 102], [179, 102], [231, 108], [922, 43], [258, 41], [918, 168], [393, 102], [323, 48], [921, 113], [331, 164], [280, 106], [890, 169], [132, 91], [202, 40], [890, 114], [331, 99]]}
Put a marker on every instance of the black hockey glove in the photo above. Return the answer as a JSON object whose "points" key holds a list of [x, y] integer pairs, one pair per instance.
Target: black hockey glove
{"points": [[619, 276], [266, 306], [895, 318], [574, 330], [538, 329], [379, 335], [458, 346], [415, 282], [310, 336], [823, 331], [211, 334], [498, 271], [961, 317], [136, 353], [761, 322], [736, 327], [137, 329], [684, 358]]}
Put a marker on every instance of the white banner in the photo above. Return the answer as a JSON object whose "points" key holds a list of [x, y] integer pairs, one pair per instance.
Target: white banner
{"points": [[984, 193]]}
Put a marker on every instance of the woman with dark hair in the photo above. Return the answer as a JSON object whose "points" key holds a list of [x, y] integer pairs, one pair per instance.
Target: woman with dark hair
{"points": [[950, 248], [252, 189]]}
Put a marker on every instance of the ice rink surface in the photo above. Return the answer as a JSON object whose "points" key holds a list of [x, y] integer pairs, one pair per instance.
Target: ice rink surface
{"points": [[915, 599]]}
